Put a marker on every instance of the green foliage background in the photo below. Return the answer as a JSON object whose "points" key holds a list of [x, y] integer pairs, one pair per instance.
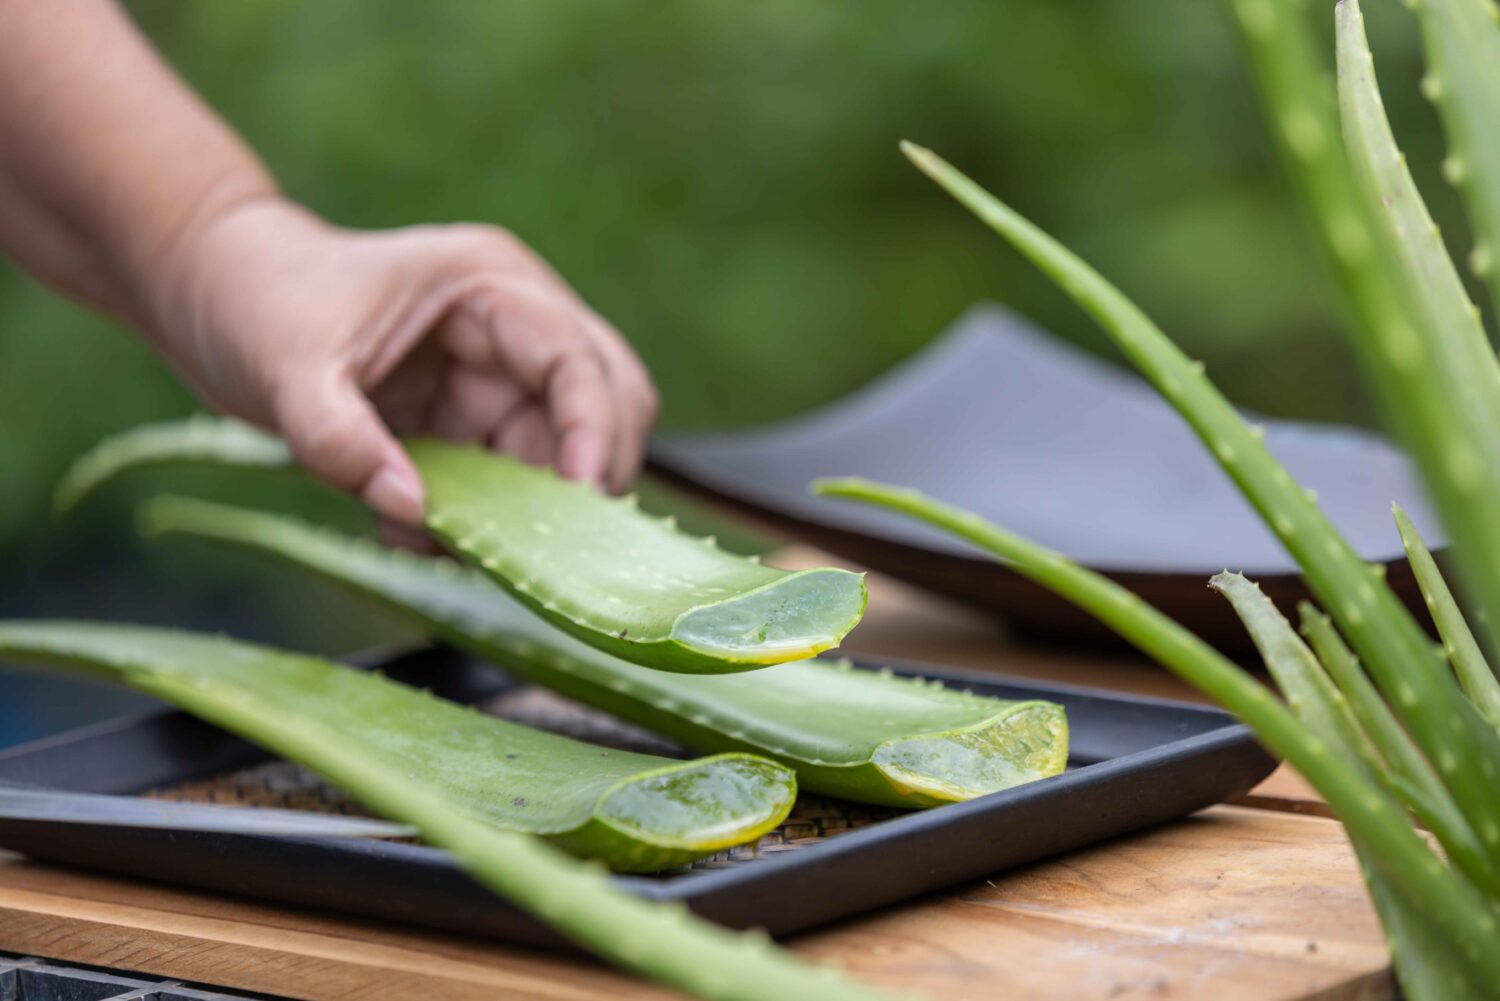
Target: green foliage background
{"points": [[723, 181]]}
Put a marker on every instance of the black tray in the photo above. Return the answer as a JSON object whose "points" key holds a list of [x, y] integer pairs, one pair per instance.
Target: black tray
{"points": [[23, 978], [1134, 763]]}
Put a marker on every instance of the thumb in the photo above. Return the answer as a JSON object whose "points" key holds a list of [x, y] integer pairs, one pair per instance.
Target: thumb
{"points": [[335, 434]]}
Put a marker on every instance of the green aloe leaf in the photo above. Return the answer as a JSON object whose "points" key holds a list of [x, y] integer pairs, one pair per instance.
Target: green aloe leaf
{"points": [[1429, 967], [624, 582], [1405, 362], [636, 812], [1371, 814], [856, 734], [1458, 640], [1455, 335], [659, 941], [1462, 39], [596, 567], [1408, 667], [198, 439], [1322, 708], [1407, 770], [1308, 691]]}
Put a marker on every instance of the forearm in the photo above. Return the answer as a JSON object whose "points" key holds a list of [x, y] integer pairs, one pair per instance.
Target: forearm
{"points": [[108, 163]]}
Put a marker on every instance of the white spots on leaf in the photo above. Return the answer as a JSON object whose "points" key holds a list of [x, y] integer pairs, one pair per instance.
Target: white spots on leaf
{"points": [[1465, 468], [1347, 236], [1257, 17], [1481, 260], [1303, 133]]}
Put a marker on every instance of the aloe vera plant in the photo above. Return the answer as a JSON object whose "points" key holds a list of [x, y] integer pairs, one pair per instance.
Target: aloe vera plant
{"points": [[1376, 819], [635, 812], [1406, 740], [860, 735], [658, 941], [596, 567]]}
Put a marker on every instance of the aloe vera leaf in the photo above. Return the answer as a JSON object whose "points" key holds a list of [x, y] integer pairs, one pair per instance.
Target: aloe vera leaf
{"points": [[1463, 651], [1419, 784], [1309, 693], [1398, 353], [659, 941], [1457, 340], [1322, 708], [198, 439], [624, 582], [1367, 810], [636, 812], [1462, 42], [616, 578], [1463, 747], [859, 735], [1403, 362], [1429, 968]]}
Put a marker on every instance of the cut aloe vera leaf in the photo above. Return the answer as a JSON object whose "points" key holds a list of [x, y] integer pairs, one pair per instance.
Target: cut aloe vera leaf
{"points": [[660, 941], [860, 735], [1369, 812], [625, 582], [618, 579], [636, 812], [1463, 651]]}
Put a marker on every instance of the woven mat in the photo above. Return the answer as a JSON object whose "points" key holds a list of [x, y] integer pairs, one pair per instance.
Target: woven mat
{"points": [[290, 786]]}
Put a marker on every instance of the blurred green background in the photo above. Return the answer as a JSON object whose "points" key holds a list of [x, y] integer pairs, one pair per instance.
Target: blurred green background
{"points": [[723, 182]]}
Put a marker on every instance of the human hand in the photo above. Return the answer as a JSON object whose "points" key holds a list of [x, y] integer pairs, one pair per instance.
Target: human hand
{"points": [[340, 339]]}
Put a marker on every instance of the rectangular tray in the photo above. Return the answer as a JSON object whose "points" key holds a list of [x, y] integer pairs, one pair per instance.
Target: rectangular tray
{"points": [[1134, 763], [23, 978]]}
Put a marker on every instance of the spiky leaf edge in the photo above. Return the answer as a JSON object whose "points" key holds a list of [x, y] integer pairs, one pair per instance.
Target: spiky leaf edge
{"points": [[1428, 887]]}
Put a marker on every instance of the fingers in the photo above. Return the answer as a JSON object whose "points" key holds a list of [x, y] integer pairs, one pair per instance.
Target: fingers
{"points": [[637, 404], [528, 436], [335, 433], [471, 404], [531, 332]]}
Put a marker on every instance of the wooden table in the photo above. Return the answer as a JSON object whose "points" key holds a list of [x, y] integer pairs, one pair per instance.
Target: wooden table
{"points": [[1254, 901]]}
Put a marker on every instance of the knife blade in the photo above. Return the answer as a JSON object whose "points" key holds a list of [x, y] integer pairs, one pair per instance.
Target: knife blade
{"points": [[27, 803]]}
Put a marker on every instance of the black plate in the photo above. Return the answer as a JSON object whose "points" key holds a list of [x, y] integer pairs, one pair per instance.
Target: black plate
{"points": [[1005, 420], [1135, 762]]}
